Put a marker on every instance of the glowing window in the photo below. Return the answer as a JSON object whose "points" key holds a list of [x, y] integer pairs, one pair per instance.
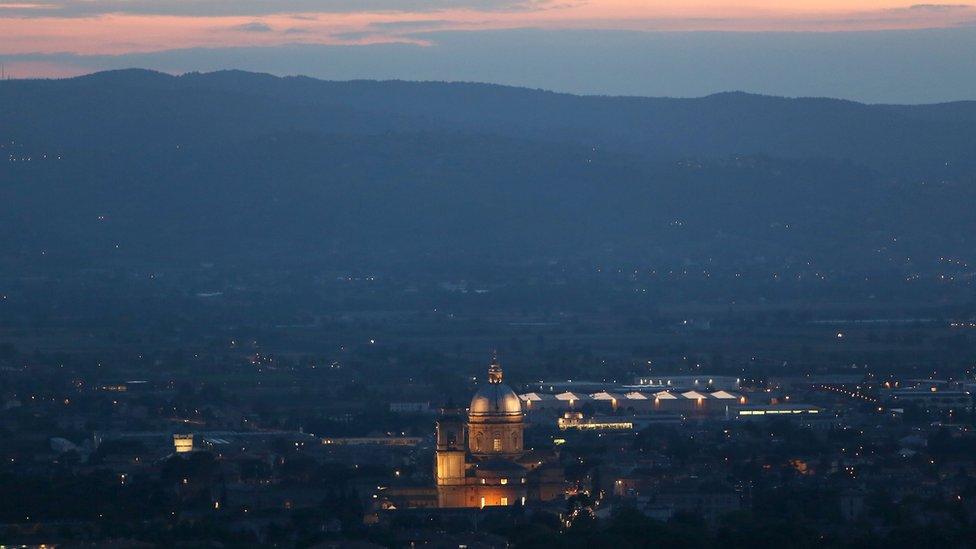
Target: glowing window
{"points": [[504, 481], [482, 502], [504, 501], [497, 444]]}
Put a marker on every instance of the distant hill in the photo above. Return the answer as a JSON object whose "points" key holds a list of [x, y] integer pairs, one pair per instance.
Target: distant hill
{"points": [[133, 166], [120, 104]]}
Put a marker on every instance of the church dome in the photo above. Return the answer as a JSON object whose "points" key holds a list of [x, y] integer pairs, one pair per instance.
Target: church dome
{"points": [[496, 398]]}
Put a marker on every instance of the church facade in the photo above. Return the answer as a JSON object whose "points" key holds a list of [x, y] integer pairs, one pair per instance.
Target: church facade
{"points": [[481, 460]]}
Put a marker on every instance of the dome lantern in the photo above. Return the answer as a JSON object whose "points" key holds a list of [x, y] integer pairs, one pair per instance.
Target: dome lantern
{"points": [[494, 370]]}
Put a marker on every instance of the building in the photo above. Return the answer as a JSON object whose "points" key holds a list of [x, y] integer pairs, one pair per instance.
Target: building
{"points": [[410, 407], [929, 394], [183, 443], [688, 382], [575, 420], [679, 383], [689, 402], [372, 441], [481, 460], [768, 411]]}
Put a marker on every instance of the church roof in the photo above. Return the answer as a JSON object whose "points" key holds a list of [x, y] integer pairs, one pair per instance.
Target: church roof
{"points": [[495, 398], [499, 466]]}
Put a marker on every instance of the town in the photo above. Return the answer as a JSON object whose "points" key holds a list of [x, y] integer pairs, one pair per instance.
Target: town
{"points": [[240, 445]]}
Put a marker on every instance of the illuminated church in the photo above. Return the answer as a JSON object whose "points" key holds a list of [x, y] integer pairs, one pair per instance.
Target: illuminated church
{"points": [[481, 459]]}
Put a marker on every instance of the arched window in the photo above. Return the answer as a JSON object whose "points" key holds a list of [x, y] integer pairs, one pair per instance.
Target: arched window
{"points": [[497, 442]]}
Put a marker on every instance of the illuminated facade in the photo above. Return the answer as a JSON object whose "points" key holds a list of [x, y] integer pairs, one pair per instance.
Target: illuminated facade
{"points": [[575, 420], [183, 443], [481, 460]]}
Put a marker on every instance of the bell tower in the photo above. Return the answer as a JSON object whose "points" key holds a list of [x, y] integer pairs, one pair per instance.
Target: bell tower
{"points": [[450, 462]]}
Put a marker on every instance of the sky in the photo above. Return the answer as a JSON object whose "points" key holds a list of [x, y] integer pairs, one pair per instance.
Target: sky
{"points": [[867, 50]]}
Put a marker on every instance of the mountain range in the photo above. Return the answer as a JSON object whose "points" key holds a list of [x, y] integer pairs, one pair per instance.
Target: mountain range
{"points": [[135, 167]]}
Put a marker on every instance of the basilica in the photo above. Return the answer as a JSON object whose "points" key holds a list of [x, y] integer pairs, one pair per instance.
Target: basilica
{"points": [[481, 459]]}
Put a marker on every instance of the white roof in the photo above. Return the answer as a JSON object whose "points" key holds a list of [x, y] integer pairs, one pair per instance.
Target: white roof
{"points": [[569, 395], [635, 395], [664, 395], [723, 395], [603, 395], [694, 395], [534, 397]]}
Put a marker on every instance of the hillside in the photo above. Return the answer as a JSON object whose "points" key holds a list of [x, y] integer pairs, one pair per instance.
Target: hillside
{"points": [[134, 167]]}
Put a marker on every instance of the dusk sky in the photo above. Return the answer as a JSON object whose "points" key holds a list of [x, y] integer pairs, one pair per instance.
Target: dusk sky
{"points": [[869, 50]]}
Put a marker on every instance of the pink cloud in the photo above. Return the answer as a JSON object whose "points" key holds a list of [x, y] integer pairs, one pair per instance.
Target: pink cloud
{"points": [[119, 33]]}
